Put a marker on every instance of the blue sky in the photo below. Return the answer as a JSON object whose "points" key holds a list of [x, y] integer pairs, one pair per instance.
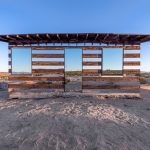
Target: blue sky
{"points": [[42, 16]]}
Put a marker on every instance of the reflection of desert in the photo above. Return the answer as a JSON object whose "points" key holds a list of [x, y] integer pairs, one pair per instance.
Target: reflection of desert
{"points": [[76, 121]]}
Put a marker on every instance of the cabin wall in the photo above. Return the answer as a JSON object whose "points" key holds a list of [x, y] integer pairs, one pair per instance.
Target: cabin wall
{"points": [[49, 76]]}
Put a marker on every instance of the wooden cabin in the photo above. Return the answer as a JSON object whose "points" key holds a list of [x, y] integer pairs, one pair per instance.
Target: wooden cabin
{"points": [[41, 76]]}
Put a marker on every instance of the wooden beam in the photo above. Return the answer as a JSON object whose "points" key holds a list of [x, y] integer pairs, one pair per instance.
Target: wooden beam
{"points": [[131, 55], [47, 63], [131, 63], [110, 79], [91, 71], [45, 71], [91, 63], [83, 47], [92, 55], [47, 48], [47, 55], [34, 78], [110, 86], [131, 71], [37, 86]]}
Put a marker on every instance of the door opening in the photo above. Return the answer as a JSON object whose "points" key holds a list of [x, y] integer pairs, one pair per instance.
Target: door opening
{"points": [[73, 70]]}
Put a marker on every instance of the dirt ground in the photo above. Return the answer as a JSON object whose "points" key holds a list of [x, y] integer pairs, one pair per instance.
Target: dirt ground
{"points": [[75, 123]]}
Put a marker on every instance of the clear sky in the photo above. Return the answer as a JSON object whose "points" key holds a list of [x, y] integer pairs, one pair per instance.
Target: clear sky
{"points": [[42, 16]]}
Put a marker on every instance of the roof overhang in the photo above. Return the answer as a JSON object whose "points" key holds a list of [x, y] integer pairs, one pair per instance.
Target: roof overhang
{"points": [[99, 38]]}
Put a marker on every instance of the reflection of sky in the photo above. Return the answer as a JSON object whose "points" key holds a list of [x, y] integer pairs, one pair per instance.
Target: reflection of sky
{"points": [[112, 59], [21, 60], [73, 59]]}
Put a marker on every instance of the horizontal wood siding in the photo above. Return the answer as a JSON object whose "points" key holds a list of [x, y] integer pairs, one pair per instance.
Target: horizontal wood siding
{"points": [[47, 63], [91, 63], [110, 86], [47, 55], [92, 55], [110, 79], [90, 71], [134, 47], [131, 71], [19, 78], [36, 86], [47, 71], [131, 63], [131, 55]]}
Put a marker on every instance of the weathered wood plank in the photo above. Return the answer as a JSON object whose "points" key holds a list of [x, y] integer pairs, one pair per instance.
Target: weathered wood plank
{"points": [[131, 63], [110, 79], [131, 71], [47, 48], [47, 63], [47, 55], [110, 86], [91, 71], [131, 55], [91, 63], [92, 55], [47, 71], [132, 48], [34, 78], [92, 48], [36, 86]]}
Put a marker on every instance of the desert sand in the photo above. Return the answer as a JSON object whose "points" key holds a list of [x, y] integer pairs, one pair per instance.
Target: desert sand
{"points": [[75, 123]]}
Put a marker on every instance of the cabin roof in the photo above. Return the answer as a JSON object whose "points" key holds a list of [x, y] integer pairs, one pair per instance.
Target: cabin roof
{"points": [[99, 38]]}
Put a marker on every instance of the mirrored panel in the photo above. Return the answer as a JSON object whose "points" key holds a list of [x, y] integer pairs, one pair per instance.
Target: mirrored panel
{"points": [[73, 70], [21, 61], [112, 63]]}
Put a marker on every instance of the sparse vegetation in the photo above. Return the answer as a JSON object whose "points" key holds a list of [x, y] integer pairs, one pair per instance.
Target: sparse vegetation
{"points": [[143, 81]]}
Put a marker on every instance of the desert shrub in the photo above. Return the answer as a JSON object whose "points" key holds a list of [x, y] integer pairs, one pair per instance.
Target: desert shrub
{"points": [[143, 81], [67, 80]]}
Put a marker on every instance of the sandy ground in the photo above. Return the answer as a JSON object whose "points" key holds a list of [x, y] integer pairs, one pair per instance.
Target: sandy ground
{"points": [[75, 123]]}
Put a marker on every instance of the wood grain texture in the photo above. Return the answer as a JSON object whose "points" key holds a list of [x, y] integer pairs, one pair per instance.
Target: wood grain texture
{"points": [[91, 63], [131, 63], [34, 78], [131, 55], [130, 47], [110, 79], [47, 63], [131, 71], [47, 48], [110, 86], [45, 71], [47, 55], [91, 71], [36, 86], [91, 55]]}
